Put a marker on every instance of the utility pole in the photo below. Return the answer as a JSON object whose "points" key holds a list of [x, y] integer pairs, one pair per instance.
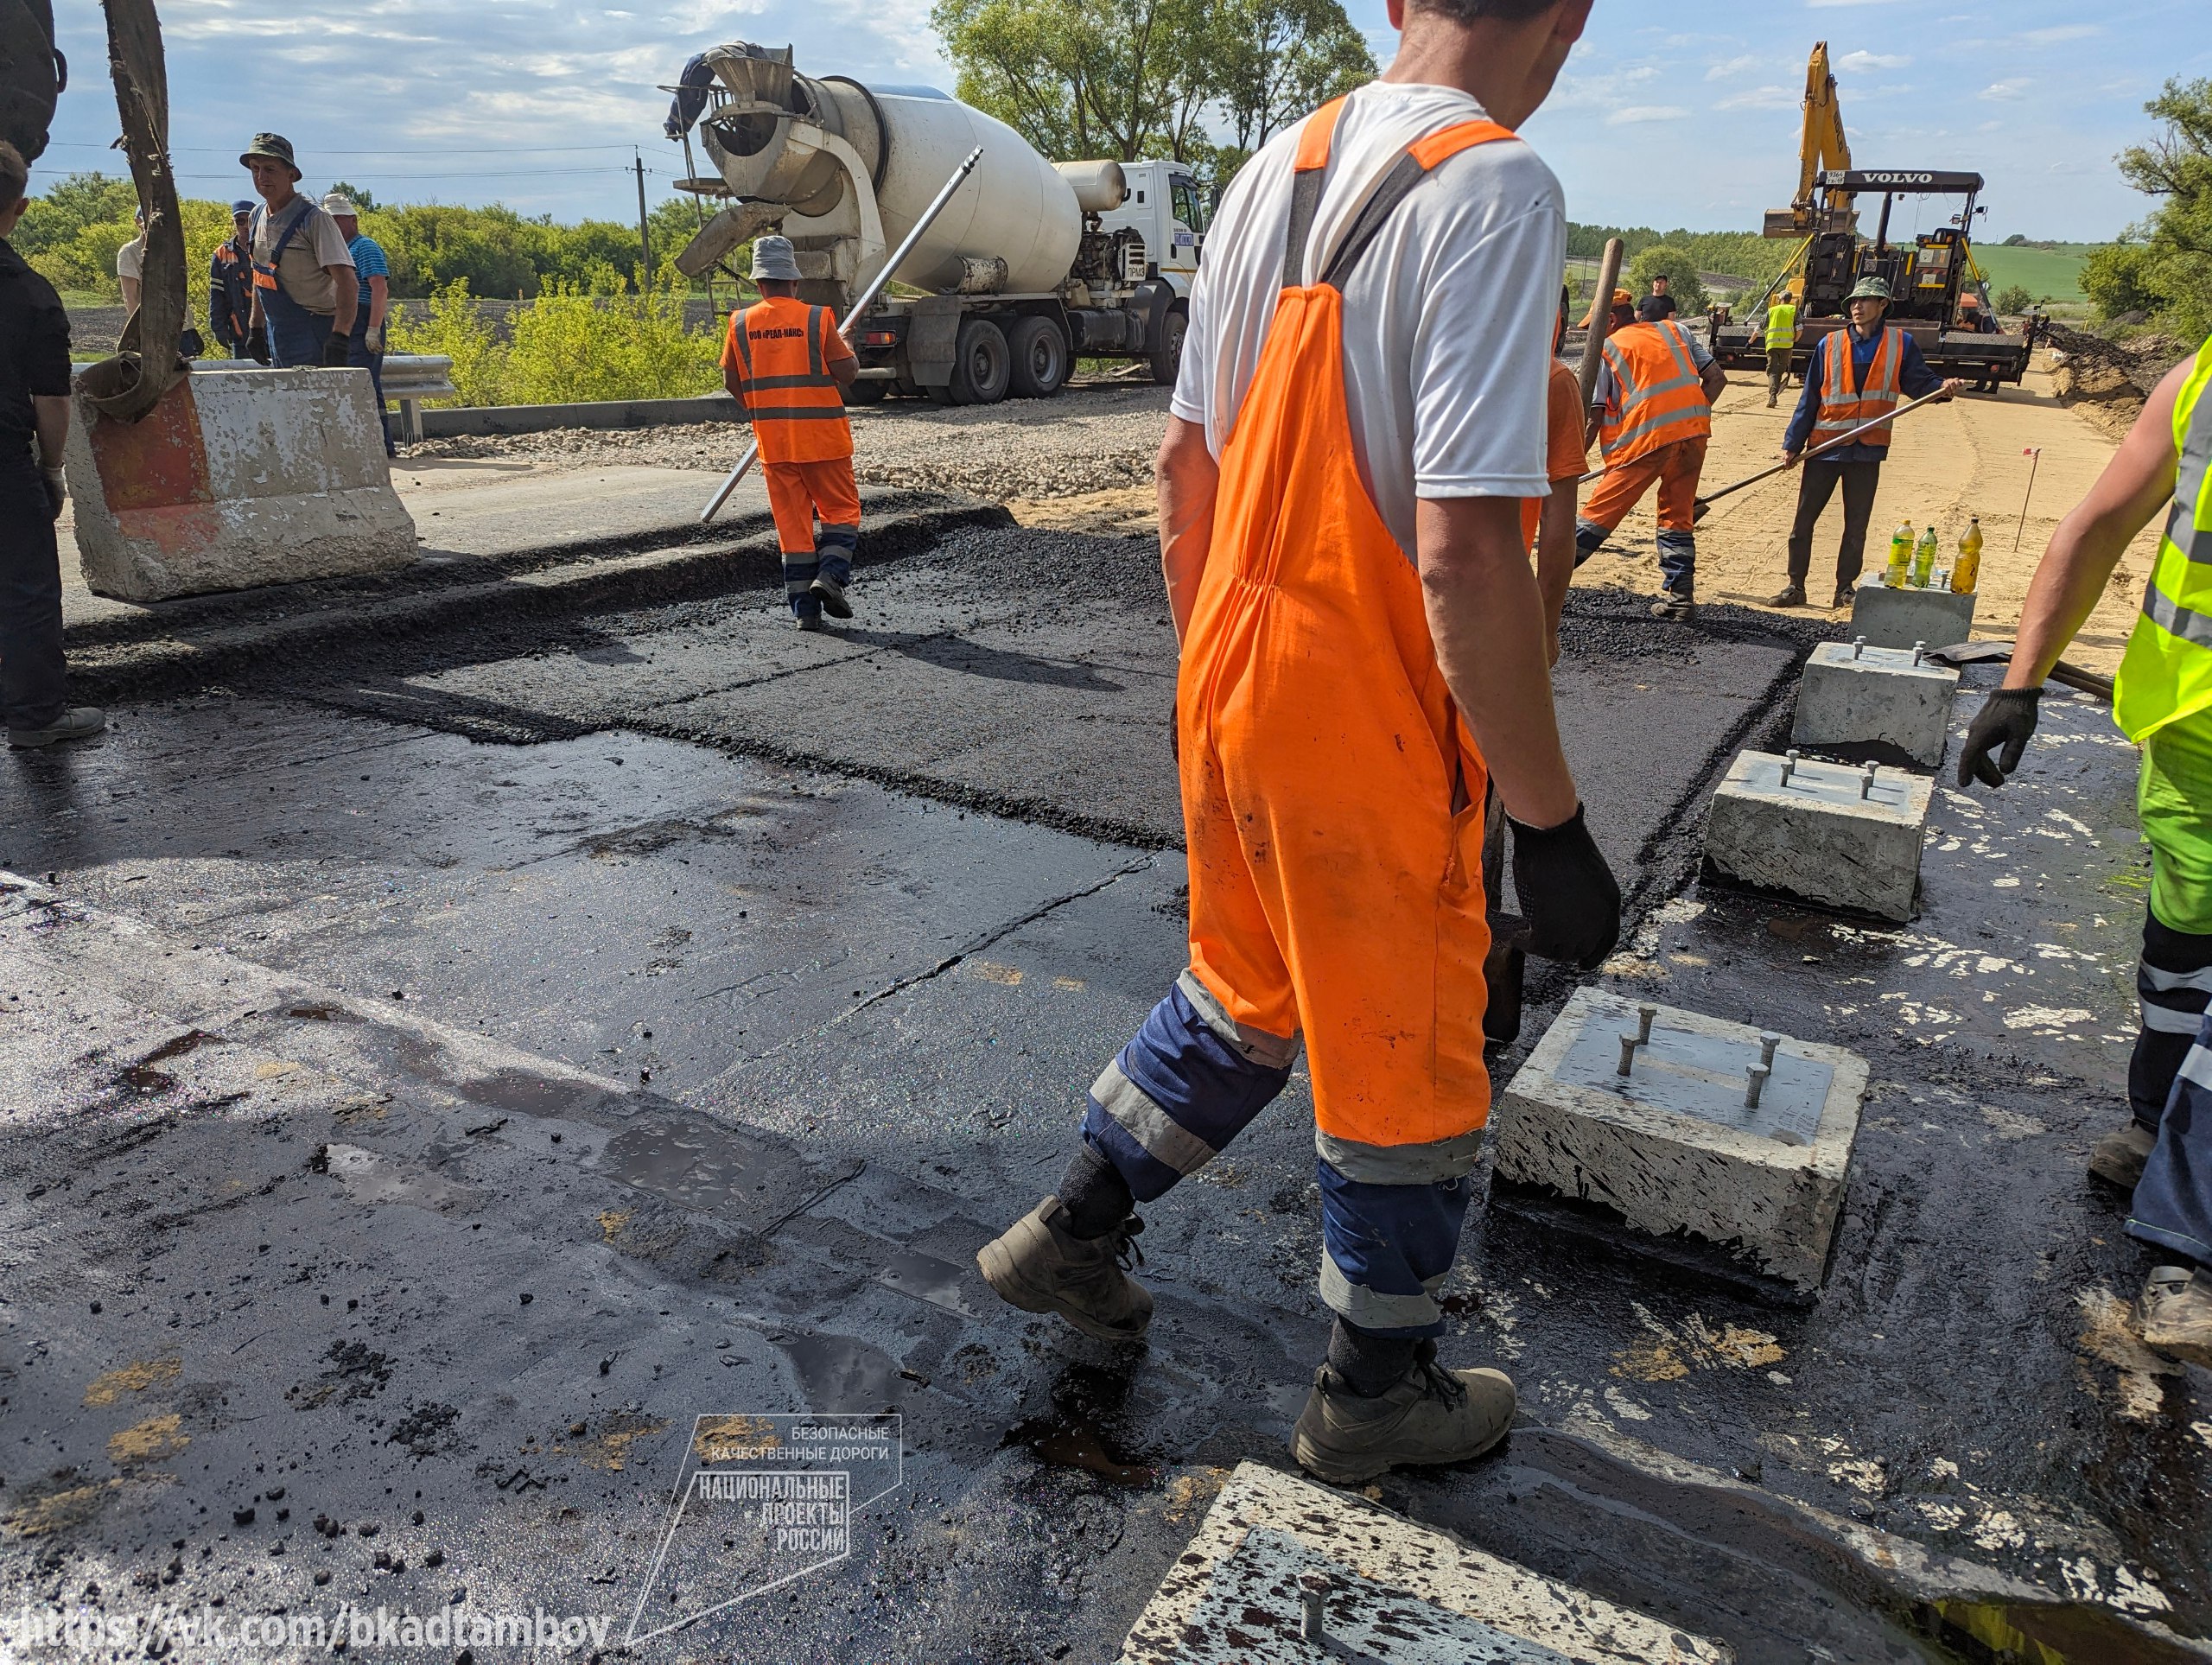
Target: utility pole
{"points": [[644, 239]]}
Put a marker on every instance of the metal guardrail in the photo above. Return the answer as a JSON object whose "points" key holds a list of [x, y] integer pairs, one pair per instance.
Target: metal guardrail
{"points": [[411, 378]]}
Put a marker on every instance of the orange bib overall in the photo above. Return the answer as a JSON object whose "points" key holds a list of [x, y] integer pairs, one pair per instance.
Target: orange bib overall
{"points": [[1333, 803]]}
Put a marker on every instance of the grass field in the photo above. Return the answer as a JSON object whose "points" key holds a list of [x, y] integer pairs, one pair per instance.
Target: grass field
{"points": [[2054, 271]]}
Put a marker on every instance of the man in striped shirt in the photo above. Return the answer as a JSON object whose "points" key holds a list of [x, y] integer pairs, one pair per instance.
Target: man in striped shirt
{"points": [[365, 344]]}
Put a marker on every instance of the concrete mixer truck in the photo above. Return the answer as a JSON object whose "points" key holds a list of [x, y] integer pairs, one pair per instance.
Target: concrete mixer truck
{"points": [[1032, 264]]}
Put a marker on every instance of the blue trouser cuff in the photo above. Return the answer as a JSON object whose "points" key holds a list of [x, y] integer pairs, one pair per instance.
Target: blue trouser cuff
{"points": [[1386, 1249]]}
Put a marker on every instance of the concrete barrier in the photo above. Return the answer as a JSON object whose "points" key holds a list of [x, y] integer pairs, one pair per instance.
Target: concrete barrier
{"points": [[238, 478]]}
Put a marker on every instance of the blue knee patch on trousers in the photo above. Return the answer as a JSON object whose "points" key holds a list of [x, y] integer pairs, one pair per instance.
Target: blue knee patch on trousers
{"points": [[1393, 1242], [1193, 1093], [1678, 559], [2173, 1204]]}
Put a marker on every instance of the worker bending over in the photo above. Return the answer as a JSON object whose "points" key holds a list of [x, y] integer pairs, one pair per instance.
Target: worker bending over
{"points": [[1651, 414], [2162, 702], [786, 364], [1856, 375], [1781, 342], [1361, 407]]}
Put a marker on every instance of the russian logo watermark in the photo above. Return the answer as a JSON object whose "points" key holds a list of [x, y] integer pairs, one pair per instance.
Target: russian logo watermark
{"points": [[760, 1500]]}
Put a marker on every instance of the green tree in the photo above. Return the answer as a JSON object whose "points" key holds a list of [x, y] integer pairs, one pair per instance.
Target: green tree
{"points": [[2014, 298], [2118, 279], [2176, 167], [1675, 263], [1273, 61], [353, 194]]}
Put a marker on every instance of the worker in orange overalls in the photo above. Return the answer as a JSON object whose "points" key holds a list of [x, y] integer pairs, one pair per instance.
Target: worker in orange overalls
{"points": [[786, 363], [1360, 408], [1651, 413]]}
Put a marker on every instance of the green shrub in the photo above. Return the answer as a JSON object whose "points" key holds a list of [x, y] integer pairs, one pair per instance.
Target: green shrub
{"points": [[455, 328], [2012, 298], [2120, 277]]}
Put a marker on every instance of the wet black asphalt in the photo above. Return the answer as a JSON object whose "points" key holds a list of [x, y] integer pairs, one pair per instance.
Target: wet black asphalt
{"points": [[861, 915]]}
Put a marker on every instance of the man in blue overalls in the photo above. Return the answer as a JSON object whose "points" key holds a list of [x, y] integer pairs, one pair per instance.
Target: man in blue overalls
{"points": [[304, 284]]}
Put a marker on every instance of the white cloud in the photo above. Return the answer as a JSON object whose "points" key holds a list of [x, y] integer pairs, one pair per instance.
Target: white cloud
{"points": [[1761, 97], [2006, 92], [2045, 37], [1646, 112], [1733, 66], [1858, 60]]}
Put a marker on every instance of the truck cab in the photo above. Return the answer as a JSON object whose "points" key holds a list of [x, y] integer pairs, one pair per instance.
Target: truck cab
{"points": [[1166, 207]]}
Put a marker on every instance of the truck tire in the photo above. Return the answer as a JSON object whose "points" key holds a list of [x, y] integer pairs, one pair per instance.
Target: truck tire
{"points": [[1040, 358], [1167, 356], [868, 392], [981, 365]]}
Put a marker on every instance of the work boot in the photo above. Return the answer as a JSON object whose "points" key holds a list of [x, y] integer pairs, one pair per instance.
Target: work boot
{"points": [[2175, 1311], [1429, 1415], [1845, 595], [1039, 1265], [1789, 595], [76, 723], [1674, 604], [810, 621], [831, 595], [2117, 1158]]}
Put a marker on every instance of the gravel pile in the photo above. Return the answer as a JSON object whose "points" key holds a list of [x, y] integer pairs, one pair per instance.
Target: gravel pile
{"points": [[1094, 437]]}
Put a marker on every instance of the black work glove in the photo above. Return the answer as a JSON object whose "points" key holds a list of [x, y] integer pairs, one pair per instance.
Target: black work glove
{"points": [[1568, 895], [258, 346], [56, 491], [334, 352], [2007, 717]]}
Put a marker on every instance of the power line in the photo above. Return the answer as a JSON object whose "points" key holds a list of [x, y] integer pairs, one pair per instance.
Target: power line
{"points": [[223, 150]]}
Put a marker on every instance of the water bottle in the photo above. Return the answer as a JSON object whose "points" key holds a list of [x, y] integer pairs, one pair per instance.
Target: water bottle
{"points": [[1966, 573], [1923, 558], [1900, 554]]}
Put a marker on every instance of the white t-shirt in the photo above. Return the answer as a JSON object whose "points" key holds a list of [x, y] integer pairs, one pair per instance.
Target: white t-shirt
{"points": [[1447, 320], [131, 259]]}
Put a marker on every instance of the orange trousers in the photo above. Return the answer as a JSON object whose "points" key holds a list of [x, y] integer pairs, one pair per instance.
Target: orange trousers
{"points": [[799, 491], [1675, 467]]}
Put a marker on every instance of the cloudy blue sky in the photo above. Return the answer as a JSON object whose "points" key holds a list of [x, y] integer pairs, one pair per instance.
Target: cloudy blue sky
{"points": [[1665, 117]]}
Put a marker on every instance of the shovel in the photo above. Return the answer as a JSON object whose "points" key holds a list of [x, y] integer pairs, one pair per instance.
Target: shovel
{"points": [[1966, 653]]}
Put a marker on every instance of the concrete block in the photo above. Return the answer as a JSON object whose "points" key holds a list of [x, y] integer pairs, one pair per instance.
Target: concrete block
{"points": [[236, 479], [1675, 1146], [1285, 1571], [1855, 693], [1899, 618], [1844, 836]]}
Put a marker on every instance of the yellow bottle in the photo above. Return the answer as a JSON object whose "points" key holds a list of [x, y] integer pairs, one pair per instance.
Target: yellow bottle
{"points": [[1900, 556], [1923, 558], [1967, 571]]}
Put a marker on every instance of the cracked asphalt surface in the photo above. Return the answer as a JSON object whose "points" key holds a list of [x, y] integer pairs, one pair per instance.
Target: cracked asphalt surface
{"points": [[457, 1057]]}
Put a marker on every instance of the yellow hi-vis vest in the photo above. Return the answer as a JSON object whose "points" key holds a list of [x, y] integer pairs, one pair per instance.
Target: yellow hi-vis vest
{"points": [[1780, 326], [2166, 673]]}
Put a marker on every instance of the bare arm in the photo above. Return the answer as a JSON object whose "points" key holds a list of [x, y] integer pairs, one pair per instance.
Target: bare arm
{"points": [[2089, 542], [1714, 379], [50, 414], [347, 289], [131, 290], [1555, 559], [379, 300], [1487, 621], [734, 381], [844, 372], [1187, 477]]}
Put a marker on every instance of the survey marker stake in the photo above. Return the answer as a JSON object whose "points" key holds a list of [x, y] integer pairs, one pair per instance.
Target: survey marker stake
{"points": [[859, 309]]}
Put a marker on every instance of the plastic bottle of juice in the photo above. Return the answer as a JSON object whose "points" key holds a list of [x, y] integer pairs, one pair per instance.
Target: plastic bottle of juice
{"points": [[1967, 572], [1900, 554], [1923, 558]]}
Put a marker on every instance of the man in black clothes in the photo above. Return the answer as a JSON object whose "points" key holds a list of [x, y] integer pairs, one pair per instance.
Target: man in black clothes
{"points": [[34, 411], [1656, 305]]}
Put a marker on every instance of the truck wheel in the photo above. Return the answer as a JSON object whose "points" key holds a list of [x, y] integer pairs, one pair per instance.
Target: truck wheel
{"points": [[1167, 356], [981, 364], [868, 392], [1040, 358]]}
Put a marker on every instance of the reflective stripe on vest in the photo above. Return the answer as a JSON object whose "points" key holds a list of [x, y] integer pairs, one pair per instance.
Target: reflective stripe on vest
{"points": [[1662, 398], [1780, 327], [1843, 408], [797, 412], [2166, 673]]}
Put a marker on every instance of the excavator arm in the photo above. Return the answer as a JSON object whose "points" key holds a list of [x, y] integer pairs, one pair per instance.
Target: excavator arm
{"points": [[1822, 145]]}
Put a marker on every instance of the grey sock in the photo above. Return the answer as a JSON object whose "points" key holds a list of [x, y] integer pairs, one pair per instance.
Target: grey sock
{"points": [[1094, 1194], [1368, 1363]]}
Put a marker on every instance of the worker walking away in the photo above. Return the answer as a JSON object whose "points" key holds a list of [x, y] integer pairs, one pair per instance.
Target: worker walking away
{"points": [[786, 365], [1360, 405], [1651, 414], [2162, 701], [1856, 375], [1781, 342]]}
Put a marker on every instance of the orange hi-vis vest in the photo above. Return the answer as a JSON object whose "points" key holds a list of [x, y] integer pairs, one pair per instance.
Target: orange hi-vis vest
{"points": [[798, 414], [1332, 798], [1656, 381], [1844, 407]]}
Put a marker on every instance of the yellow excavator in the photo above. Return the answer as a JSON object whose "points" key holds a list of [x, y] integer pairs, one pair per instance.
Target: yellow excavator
{"points": [[1927, 275]]}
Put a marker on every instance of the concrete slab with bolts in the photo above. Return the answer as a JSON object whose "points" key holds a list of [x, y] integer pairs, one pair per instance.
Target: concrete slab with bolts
{"points": [[1680, 1123], [1856, 693], [1899, 618], [1284, 1570], [236, 479], [1842, 835]]}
